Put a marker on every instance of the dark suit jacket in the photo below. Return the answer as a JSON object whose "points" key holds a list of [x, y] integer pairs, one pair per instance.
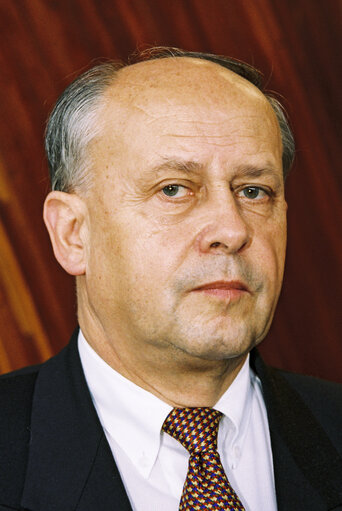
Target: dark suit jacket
{"points": [[54, 455]]}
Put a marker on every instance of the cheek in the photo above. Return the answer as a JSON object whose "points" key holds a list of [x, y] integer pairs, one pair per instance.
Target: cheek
{"points": [[154, 259], [272, 252], [155, 243], [267, 251], [105, 246]]}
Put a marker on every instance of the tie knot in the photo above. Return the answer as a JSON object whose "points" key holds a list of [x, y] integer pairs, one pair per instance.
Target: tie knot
{"points": [[195, 428]]}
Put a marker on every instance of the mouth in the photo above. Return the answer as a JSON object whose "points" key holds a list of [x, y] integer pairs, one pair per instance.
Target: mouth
{"points": [[227, 290]]}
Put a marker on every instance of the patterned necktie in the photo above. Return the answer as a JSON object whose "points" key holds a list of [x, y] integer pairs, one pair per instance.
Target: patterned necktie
{"points": [[206, 485]]}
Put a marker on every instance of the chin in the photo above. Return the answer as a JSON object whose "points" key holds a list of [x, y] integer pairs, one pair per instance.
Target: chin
{"points": [[217, 347]]}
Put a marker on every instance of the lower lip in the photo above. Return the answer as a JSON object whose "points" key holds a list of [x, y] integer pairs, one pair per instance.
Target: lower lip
{"points": [[223, 294]]}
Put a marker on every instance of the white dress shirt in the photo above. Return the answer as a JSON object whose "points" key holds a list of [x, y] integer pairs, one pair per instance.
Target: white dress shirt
{"points": [[153, 465]]}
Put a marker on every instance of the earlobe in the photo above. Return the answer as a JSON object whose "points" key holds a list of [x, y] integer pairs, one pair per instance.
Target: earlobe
{"points": [[65, 219]]}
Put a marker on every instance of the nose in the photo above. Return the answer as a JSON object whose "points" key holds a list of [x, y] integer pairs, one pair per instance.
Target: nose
{"points": [[226, 229]]}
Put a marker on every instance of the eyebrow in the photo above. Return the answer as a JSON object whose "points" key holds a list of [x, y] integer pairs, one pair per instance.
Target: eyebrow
{"points": [[251, 171], [188, 167], [191, 167]]}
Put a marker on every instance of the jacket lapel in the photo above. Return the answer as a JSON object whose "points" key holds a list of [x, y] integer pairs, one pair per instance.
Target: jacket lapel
{"points": [[70, 464], [307, 467]]}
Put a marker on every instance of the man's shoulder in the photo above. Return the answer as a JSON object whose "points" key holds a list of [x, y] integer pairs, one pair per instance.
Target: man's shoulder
{"points": [[21, 392], [316, 392], [322, 398], [16, 395], [16, 388], [299, 402]]}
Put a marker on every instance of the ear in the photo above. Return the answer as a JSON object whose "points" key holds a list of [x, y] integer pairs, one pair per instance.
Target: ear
{"points": [[65, 217]]}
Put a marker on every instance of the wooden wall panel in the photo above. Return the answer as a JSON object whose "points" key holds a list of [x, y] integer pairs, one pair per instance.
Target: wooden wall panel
{"points": [[45, 43]]}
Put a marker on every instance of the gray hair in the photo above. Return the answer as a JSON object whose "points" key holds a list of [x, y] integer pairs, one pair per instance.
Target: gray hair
{"points": [[74, 121]]}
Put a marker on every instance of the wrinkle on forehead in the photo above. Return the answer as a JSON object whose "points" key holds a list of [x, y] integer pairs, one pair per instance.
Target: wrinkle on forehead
{"points": [[185, 114], [177, 80]]}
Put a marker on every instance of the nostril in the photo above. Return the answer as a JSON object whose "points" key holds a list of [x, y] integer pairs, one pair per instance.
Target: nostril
{"points": [[215, 244]]}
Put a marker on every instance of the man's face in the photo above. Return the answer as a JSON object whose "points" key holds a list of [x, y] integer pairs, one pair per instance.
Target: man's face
{"points": [[187, 216]]}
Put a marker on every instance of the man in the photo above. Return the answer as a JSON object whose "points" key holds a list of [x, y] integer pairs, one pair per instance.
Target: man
{"points": [[168, 206]]}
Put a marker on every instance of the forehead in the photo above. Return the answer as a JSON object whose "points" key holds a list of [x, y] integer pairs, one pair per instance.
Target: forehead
{"points": [[174, 98], [180, 82]]}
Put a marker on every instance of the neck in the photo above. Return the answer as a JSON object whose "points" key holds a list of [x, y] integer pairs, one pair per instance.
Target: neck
{"points": [[198, 383], [175, 377]]}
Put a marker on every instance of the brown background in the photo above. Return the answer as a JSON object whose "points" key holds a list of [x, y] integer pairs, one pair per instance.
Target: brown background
{"points": [[45, 43]]}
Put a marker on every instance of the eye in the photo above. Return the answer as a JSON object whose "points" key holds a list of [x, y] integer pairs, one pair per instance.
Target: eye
{"points": [[174, 191], [253, 192]]}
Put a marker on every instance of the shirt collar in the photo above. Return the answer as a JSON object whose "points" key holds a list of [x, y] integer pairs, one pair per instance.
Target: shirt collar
{"points": [[236, 406], [133, 417], [235, 402]]}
